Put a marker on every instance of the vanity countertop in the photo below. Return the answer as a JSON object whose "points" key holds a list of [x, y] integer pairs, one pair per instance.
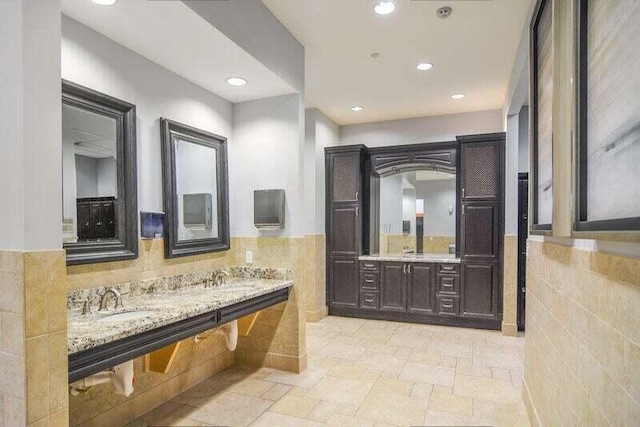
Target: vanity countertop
{"points": [[167, 306], [434, 258]]}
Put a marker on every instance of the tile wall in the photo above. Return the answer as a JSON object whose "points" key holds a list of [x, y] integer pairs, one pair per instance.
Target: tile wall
{"points": [[582, 350], [33, 354], [510, 286]]}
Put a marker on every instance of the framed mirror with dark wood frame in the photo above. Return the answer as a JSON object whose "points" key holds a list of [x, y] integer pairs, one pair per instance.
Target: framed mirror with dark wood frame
{"points": [[99, 176], [196, 190]]}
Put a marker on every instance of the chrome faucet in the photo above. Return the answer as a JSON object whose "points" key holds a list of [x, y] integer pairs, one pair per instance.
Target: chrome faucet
{"points": [[104, 298], [219, 277]]}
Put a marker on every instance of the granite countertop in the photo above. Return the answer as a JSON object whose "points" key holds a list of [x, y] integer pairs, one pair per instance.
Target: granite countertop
{"points": [[168, 306], [439, 258]]}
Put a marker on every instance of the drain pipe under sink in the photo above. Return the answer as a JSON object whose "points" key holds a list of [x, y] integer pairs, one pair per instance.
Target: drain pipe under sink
{"points": [[230, 333], [121, 376]]}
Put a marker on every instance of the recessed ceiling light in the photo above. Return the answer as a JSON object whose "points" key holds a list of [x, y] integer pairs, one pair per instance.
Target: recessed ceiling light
{"points": [[384, 7], [424, 66], [357, 108], [105, 2], [457, 95], [375, 55], [236, 81]]}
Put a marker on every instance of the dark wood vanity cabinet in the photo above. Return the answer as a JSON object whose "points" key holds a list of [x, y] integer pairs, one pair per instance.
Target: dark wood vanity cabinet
{"points": [[346, 222], [410, 288], [465, 293], [422, 288], [393, 286], [482, 226]]}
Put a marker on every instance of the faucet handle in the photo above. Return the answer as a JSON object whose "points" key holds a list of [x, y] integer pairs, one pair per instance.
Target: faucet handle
{"points": [[86, 305]]}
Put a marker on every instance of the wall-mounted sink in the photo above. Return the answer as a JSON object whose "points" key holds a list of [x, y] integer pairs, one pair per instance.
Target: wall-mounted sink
{"points": [[126, 316]]}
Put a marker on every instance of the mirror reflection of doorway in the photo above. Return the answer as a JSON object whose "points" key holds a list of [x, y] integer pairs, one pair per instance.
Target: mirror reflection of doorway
{"points": [[417, 212]]}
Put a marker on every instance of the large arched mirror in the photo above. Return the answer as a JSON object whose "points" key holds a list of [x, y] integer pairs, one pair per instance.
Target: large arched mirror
{"points": [[415, 208]]}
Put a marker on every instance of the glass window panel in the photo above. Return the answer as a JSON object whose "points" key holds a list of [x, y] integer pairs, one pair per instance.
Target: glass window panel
{"points": [[613, 109], [544, 166]]}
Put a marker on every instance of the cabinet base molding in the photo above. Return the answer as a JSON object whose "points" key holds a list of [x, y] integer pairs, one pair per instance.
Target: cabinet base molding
{"points": [[413, 318]]}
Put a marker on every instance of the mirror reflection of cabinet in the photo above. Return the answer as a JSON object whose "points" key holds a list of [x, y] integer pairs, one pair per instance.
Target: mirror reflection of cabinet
{"points": [[97, 219], [98, 176]]}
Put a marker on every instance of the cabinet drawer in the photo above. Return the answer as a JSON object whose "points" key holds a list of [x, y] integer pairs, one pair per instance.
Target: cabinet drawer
{"points": [[448, 305], [449, 284], [449, 268], [369, 266], [369, 280], [370, 300]]}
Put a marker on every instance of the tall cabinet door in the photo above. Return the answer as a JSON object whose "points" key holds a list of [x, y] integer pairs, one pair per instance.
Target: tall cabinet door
{"points": [[344, 237], [422, 288], [344, 282], [345, 178], [393, 286], [481, 225], [346, 174]]}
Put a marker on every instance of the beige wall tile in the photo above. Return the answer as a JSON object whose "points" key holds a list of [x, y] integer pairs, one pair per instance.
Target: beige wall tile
{"points": [[12, 375], [38, 392], [582, 317], [12, 294], [15, 411], [12, 327]]}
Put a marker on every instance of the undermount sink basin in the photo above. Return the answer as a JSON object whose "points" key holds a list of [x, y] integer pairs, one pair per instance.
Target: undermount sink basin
{"points": [[238, 288], [127, 316]]}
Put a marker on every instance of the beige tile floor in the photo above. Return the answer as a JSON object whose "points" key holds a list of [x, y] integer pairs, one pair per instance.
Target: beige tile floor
{"points": [[368, 373]]}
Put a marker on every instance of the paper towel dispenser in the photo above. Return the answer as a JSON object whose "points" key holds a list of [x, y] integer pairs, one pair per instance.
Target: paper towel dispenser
{"points": [[268, 209]]}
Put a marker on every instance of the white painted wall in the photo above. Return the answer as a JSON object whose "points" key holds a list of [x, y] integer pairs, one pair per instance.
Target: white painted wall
{"points": [[30, 130], [523, 139], [265, 154], [391, 204], [438, 195], [511, 176], [422, 130], [92, 60], [321, 132]]}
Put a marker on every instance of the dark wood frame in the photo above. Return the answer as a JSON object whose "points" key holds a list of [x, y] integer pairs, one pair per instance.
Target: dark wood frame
{"points": [[581, 222], [169, 131], [126, 246], [94, 360], [535, 228]]}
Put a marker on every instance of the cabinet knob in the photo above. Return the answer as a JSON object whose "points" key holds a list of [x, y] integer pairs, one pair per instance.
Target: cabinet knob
{"points": [[357, 196]]}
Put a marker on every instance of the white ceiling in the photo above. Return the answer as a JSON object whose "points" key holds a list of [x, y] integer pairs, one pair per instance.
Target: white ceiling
{"points": [[173, 36], [92, 135], [473, 52]]}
